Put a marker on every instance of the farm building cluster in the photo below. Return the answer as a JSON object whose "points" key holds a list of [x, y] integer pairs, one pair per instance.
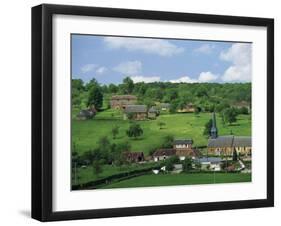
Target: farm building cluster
{"points": [[219, 149]]}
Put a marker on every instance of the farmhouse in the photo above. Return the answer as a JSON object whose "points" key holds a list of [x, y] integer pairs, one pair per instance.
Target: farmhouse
{"points": [[121, 101], [183, 153], [188, 108], [213, 163], [226, 145], [135, 112], [180, 144], [162, 154], [134, 156], [152, 113]]}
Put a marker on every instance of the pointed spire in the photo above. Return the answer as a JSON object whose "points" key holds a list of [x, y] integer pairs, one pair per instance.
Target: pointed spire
{"points": [[214, 130]]}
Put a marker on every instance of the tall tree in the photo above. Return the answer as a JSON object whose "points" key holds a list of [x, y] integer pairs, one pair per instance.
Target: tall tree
{"points": [[207, 130], [230, 115], [128, 85], [187, 164], [95, 97]]}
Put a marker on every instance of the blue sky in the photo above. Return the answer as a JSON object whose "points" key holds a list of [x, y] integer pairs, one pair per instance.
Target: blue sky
{"points": [[110, 59]]}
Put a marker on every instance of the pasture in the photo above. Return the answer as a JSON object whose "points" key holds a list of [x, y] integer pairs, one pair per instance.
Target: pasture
{"points": [[85, 134]]}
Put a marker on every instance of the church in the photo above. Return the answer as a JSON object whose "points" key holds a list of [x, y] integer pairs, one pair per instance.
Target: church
{"points": [[226, 145]]}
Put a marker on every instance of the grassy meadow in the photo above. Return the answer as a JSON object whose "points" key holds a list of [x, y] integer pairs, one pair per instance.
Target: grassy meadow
{"points": [[85, 134]]}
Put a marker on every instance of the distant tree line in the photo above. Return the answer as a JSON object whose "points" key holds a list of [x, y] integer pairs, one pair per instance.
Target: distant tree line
{"points": [[207, 97]]}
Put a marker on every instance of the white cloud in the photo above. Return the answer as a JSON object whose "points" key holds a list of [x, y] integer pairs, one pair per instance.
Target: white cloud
{"points": [[184, 79], [205, 48], [101, 70], [207, 77], [203, 77], [88, 68], [152, 46], [239, 54], [144, 79], [129, 67]]}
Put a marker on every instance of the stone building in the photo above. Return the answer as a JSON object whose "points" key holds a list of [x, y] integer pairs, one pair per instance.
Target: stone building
{"points": [[135, 112], [226, 145], [121, 101]]}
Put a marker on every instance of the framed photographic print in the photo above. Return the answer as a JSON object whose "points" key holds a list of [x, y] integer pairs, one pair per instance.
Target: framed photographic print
{"points": [[145, 112]]}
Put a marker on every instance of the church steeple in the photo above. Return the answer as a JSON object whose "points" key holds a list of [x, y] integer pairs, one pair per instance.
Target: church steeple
{"points": [[214, 130]]}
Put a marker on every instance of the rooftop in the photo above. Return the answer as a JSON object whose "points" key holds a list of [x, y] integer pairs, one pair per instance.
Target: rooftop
{"points": [[230, 141], [210, 159], [183, 141], [136, 109], [166, 152], [123, 97]]}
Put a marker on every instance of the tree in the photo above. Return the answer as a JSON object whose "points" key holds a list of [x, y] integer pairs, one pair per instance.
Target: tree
{"points": [[161, 124], [173, 107], [187, 164], [235, 155], [115, 131], [113, 88], [128, 85], [97, 168], [168, 141], [198, 165], [93, 82], [208, 126], [230, 115], [169, 163], [134, 130], [95, 97], [244, 110], [77, 84], [172, 94]]}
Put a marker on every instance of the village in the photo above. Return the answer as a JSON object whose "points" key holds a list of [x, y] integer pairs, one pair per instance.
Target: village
{"points": [[227, 153]]}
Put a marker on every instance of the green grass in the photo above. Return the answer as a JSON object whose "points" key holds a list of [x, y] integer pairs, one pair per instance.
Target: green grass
{"points": [[181, 179], [85, 134], [87, 174]]}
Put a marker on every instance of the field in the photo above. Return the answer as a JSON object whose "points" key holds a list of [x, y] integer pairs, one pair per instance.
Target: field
{"points": [[85, 134], [181, 179]]}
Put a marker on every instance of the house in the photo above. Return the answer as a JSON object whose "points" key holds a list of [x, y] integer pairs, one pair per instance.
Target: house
{"points": [[226, 145], [222, 145], [188, 108], [86, 114], [152, 113], [212, 163], [177, 168], [162, 154], [243, 145], [121, 101], [165, 106], [191, 153], [180, 144], [134, 156], [135, 112]]}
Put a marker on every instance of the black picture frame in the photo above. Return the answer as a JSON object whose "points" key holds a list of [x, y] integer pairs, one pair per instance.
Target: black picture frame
{"points": [[42, 111]]}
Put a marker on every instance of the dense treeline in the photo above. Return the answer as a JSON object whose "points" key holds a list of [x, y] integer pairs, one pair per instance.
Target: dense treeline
{"points": [[205, 96]]}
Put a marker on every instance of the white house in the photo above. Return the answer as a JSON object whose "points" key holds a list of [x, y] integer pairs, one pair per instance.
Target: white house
{"points": [[213, 163], [162, 154]]}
